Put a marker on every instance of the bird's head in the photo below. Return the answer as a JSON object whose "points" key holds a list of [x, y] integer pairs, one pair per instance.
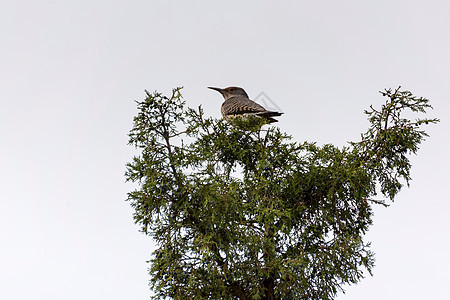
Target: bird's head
{"points": [[230, 92]]}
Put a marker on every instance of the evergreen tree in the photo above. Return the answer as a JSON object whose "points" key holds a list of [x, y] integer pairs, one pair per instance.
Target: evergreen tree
{"points": [[240, 212]]}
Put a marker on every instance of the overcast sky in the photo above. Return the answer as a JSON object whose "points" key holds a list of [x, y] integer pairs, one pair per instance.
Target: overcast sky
{"points": [[71, 70]]}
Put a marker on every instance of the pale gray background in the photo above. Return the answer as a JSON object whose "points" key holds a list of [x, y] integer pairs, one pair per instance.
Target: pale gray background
{"points": [[70, 71]]}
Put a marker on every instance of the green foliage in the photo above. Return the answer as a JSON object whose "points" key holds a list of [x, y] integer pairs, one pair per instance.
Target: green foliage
{"points": [[244, 213]]}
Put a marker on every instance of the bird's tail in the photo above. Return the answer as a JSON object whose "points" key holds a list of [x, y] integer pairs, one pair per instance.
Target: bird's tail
{"points": [[269, 114]]}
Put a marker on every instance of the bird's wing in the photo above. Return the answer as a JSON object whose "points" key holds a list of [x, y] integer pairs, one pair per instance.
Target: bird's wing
{"points": [[241, 105], [269, 113]]}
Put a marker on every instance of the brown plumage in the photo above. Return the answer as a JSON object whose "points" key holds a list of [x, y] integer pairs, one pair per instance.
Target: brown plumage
{"points": [[237, 104]]}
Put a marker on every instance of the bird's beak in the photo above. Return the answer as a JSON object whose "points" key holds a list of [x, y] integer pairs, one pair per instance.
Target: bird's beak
{"points": [[216, 89]]}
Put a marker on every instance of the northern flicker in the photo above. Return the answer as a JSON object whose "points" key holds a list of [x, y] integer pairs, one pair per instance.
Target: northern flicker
{"points": [[237, 104]]}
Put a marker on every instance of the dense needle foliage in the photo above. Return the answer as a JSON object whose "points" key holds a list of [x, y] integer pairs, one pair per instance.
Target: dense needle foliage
{"points": [[240, 212]]}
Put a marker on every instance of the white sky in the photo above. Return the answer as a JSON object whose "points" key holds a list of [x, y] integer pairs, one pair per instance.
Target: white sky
{"points": [[71, 70]]}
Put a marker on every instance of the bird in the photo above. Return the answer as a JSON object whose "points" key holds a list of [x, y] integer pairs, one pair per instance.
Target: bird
{"points": [[238, 104]]}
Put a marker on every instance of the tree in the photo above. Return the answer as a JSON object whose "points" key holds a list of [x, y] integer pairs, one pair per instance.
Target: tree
{"points": [[240, 212]]}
